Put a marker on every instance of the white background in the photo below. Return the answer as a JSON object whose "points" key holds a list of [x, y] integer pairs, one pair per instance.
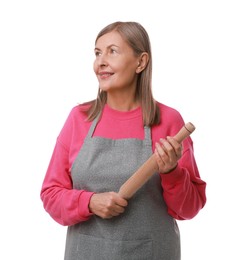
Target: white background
{"points": [[46, 56]]}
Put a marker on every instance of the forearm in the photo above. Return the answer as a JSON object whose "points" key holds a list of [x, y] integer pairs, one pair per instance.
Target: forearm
{"points": [[65, 206], [183, 192], [183, 197]]}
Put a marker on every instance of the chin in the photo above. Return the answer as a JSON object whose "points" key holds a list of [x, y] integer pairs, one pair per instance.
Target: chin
{"points": [[105, 88]]}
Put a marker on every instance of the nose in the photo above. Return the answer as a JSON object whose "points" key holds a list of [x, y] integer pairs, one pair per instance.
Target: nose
{"points": [[102, 60]]}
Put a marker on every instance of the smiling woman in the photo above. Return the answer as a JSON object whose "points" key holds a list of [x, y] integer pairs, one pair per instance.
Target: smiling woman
{"points": [[126, 52], [117, 67], [100, 146]]}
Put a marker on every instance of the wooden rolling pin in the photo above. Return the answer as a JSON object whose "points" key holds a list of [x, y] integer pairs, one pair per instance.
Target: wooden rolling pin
{"points": [[143, 174]]}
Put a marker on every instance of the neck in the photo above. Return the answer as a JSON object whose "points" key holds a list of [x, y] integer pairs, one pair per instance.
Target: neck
{"points": [[122, 102]]}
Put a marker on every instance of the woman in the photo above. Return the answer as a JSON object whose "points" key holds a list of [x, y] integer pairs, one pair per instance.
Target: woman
{"points": [[103, 142]]}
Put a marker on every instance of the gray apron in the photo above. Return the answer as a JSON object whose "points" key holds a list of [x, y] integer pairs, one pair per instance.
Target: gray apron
{"points": [[144, 231]]}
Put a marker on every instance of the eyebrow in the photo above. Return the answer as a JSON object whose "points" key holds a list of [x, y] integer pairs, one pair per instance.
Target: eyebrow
{"points": [[108, 47]]}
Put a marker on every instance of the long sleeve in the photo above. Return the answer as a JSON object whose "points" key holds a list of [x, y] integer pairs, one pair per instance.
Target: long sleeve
{"points": [[65, 205], [183, 189]]}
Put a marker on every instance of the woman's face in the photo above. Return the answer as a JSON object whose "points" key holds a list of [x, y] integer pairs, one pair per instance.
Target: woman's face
{"points": [[115, 64]]}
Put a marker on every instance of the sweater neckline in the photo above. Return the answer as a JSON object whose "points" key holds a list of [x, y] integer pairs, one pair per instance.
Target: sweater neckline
{"points": [[122, 115]]}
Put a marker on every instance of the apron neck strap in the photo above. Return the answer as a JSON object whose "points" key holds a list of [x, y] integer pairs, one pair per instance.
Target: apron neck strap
{"points": [[92, 127], [147, 138]]}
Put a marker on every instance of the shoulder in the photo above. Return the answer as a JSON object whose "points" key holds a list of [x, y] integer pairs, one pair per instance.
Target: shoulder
{"points": [[171, 122], [170, 119], [169, 113], [78, 113], [75, 122], [80, 109]]}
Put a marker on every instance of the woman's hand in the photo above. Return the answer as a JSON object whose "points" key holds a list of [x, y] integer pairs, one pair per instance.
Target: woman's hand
{"points": [[107, 205], [168, 151]]}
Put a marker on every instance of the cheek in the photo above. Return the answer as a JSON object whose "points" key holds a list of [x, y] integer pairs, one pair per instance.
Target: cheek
{"points": [[130, 70]]}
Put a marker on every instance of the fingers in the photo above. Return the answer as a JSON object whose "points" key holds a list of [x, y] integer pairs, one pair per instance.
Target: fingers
{"points": [[167, 153], [107, 205], [177, 147], [116, 206], [115, 211]]}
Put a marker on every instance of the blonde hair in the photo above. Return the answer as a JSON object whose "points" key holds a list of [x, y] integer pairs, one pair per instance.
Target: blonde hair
{"points": [[137, 38]]}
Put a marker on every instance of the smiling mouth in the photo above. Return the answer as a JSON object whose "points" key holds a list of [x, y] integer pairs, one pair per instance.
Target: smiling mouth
{"points": [[104, 75]]}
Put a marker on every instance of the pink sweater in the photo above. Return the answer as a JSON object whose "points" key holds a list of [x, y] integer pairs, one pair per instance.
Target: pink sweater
{"points": [[183, 189]]}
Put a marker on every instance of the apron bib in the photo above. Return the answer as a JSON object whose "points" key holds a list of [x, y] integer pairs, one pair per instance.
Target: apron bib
{"points": [[144, 231]]}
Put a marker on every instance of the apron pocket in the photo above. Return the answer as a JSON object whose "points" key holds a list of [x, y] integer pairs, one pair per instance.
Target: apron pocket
{"points": [[92, 248]]}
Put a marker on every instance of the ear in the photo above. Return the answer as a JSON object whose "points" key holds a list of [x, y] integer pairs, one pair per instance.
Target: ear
{"points": [[142, 62]]}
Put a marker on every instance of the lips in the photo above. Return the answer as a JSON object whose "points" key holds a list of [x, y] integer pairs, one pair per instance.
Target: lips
{"points": [[105, 74]]}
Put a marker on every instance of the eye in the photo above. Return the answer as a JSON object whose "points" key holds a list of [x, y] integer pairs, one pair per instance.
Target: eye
{"points": [[97, 53], [113, 51]]}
